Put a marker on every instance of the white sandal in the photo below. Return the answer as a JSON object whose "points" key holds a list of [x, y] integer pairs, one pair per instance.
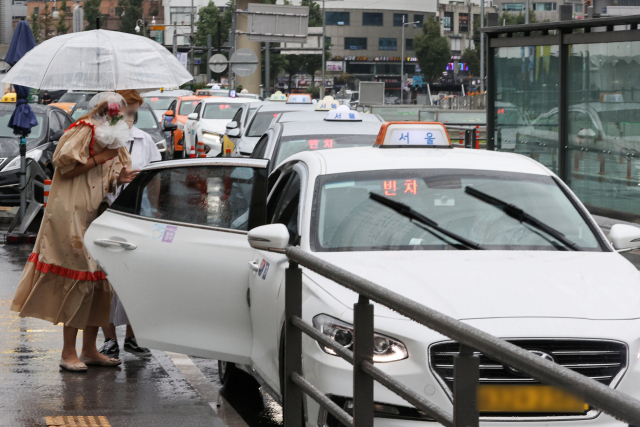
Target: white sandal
{"points": [[75, 367]]}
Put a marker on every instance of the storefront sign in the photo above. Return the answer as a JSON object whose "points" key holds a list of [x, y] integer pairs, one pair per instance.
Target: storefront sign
{"points": [[354, 58], [335, 66]]}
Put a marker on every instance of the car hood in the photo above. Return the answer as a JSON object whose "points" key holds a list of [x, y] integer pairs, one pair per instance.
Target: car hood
{"points": [[9, 147], [212, 125], [495, 284]]}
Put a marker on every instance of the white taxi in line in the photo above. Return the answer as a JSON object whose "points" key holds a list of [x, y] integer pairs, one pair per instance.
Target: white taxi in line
{"points": [[208, 122], [493, 239]]}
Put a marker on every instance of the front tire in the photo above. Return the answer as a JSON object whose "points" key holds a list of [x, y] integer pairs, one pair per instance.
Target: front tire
{"points": [[231, 377]]}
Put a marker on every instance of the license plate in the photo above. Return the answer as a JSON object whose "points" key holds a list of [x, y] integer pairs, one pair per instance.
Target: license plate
{"points": [[528, 398]]}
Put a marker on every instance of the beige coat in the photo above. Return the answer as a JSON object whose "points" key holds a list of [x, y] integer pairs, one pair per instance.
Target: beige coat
{"points": [[61, 283]]}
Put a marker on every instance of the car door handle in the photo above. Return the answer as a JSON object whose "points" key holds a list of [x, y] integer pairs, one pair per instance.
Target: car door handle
{"points": [[253, 265], [108, 242]]}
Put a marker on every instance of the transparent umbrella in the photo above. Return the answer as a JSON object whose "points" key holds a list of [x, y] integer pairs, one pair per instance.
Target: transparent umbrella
{"points": [[98, 60]]}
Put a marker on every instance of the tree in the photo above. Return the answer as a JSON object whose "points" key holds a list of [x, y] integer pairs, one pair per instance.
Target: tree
{"points": [[129, 11], [35, 26], [46, 22], [472, 59], [432, 50], [208, 18], [61, 26], [510, 18], [92, 13]]}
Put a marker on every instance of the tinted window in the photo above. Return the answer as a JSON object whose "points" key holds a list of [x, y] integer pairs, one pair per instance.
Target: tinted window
{"points": [[202, 195], [146, 119], [387, 44], [397, 19], [287, 207], [355, 43], [374, 19], [220, 111], [7, 132], [158, 103], [64, 120], [337, 18], [261, 122], [187, 107], [261, 148], [79, 112]]}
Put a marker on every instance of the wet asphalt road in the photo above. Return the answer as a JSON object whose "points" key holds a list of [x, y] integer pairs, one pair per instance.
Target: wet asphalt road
{"points": [[164, 390]]}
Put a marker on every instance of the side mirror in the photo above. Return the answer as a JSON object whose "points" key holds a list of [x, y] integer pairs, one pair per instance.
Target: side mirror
{"points": [[624, 237], [192, 116], [232, 125], [272, 237], [169, 113], [233, 133], [168, 126]]}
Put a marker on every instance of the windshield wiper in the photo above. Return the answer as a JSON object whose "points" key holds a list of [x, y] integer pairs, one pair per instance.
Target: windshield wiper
{"points": [[413, 215], [522, 217]]}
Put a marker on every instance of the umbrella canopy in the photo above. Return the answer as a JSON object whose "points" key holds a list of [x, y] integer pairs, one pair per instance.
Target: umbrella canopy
{"points": [[98, 60], [22, 119]]}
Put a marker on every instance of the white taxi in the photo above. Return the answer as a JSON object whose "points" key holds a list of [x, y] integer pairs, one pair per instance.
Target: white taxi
{"points": [[493, 239], [207, 124]]}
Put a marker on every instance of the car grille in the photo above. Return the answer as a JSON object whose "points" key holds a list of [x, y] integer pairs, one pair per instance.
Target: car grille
{"points": [[600, 360]]}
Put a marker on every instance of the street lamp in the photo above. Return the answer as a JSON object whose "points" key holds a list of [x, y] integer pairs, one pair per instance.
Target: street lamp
{"points": [[138, 22], [153, 21], [404, 24]]}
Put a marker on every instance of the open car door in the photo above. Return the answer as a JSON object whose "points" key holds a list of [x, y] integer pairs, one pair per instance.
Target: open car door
{"points": [[174, 247]]}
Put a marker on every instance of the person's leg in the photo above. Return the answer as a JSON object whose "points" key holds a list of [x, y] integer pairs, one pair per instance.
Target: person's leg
{"points": [[129, 333], [110, 332], [131, 345], [89, 349], [69, 353]]}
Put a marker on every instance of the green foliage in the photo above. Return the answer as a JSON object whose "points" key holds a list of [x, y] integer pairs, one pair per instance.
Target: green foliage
{"points": [[92, 13], [432, 50], [132, 12], [61, 26], [207, 23], [472, 58], [35, 26], [510, 18]]}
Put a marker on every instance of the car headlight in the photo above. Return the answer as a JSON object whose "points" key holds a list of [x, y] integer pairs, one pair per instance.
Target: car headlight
{"points": [[385, 349], [212, 137], [34, 154], [180, 126]]}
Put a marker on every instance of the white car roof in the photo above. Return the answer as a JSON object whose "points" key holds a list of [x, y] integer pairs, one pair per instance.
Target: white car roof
{"points": [[227, 100], [322, 127], [283, 106], [297, 116], [374, 158], [167, 93]]}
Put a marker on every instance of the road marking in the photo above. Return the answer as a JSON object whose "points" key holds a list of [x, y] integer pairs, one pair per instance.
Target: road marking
{"points": [[219, 404], [81, 421]]}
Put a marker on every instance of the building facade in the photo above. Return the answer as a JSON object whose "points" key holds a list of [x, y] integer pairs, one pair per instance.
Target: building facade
{"points": [[545, 10]]}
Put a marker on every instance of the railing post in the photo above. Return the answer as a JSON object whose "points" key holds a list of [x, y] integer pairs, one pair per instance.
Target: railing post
{"points": [[293, 408], [362, 350], [466, 373]]}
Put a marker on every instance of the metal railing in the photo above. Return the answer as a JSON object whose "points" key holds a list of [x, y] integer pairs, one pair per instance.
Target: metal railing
{"points": [[466, 363]]}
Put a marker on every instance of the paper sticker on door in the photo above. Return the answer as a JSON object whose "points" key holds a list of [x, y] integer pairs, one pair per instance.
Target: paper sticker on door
{"points": [[163, 233], [264, 268]]}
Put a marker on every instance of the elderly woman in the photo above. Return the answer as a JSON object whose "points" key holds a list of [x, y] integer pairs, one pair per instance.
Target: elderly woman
{"points": [[61, 283]]}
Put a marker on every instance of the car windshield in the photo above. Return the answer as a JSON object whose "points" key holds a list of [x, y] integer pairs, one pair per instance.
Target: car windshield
{"points": [[75, 97], [290, 145], [146, 120], [220, 111], [621, 123], [261, 122], [9, 142], [158, 103], [187, 107], [348, 220]]}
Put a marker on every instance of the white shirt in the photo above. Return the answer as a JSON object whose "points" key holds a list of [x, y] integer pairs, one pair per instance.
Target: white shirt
{"points": [[143, 151]]}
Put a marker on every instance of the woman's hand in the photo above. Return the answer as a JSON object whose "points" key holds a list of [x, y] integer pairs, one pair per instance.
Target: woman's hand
{"points": [[107, 154], [127, 176]]}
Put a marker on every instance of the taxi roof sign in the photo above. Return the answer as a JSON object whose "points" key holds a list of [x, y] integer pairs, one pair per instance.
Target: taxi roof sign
{"points": [[327, 104], [278, 96], [343, 114], [299, 98], [413, 134]]}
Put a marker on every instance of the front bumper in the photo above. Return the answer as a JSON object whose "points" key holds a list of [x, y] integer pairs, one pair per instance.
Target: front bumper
{"points": [[334, 376], [9, 188]]}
